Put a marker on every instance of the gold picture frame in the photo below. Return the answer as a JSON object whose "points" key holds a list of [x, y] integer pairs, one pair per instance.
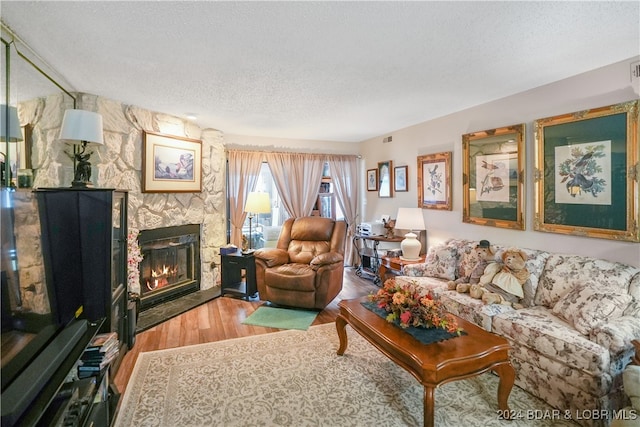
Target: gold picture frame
{"points": [[434, 181], [493, 164], [587, 171], [171, 164]]}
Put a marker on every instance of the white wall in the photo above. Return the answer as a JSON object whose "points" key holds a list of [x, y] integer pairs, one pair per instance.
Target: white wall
{"points": [[601, 87]]}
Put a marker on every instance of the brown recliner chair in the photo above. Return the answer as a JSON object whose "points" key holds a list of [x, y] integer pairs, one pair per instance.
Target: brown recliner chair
{"points": [[305, 268]]}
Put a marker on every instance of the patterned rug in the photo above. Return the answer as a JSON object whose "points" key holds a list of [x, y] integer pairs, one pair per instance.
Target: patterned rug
{"points": [[295, 378]]}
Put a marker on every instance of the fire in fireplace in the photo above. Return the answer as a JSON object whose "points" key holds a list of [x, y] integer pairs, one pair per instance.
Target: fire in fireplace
{"points": [[171, 263]]}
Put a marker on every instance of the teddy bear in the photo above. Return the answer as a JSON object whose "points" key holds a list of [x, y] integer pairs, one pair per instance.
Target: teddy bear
{"points": [[507, 284], [484, 255]]}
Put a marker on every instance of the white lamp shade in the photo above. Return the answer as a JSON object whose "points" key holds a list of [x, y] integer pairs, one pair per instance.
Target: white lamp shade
{"points": [[13, 131], [81, 125], [258, 202], [410, 219]]}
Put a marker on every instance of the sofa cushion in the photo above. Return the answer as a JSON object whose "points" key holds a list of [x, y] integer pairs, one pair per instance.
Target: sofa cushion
{"points": [[587, 306], [617, 334], [427, 285], [466, 257], [471, 309], [563, 272], [440, 263], [537, 328]]}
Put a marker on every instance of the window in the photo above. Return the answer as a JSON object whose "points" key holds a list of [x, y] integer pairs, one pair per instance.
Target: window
{"points": [[265, 228]]}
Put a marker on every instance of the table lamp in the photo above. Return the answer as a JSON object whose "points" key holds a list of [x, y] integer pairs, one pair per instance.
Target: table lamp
{"points": [[410, 219], [257, 203], [86, 127]]}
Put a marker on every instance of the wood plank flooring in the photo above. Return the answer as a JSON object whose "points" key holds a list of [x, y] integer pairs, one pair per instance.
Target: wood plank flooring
{"points": [[221, 319]]}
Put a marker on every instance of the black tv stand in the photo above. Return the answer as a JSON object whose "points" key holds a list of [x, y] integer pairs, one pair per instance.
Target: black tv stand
{"points": [[35, 396]]}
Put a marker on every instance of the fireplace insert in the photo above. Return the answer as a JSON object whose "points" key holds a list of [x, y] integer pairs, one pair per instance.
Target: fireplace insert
{"points": [[171, 263]]}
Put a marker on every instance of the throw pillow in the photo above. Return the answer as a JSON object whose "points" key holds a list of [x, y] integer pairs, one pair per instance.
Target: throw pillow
{"points": [[586, 306], [441, 262]]}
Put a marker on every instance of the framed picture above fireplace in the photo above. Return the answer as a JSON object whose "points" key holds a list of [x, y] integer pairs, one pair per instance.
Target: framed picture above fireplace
{"points": [[171, 164]]}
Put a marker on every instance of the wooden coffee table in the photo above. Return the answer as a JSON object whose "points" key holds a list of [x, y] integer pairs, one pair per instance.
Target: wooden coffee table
{"points": [[432, 364]]}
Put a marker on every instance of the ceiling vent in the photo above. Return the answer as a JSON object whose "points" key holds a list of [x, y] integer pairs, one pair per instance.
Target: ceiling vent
{"points": [[387, 139]]}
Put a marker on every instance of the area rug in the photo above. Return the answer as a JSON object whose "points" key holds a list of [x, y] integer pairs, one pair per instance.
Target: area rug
{"points": [[295, 378], [281, 318]]}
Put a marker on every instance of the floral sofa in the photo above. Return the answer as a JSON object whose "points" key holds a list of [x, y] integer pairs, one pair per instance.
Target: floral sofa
{"points": [[571, 341]]}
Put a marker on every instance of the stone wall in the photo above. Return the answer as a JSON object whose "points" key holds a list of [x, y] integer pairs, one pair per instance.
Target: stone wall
{"points": [[118, 164]]}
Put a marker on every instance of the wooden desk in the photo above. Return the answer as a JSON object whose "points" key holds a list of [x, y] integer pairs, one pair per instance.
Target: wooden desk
{"points": [[432, 364], [395, 265]]}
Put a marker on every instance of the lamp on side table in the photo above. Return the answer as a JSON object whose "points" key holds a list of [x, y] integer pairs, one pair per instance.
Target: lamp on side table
{"points": [[410, 219]]}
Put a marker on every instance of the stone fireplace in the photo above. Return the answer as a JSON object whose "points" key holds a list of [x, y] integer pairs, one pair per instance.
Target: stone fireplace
{"points": [[170, 267]]}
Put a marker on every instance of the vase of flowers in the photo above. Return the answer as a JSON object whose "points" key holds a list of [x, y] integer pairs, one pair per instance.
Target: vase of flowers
{"points": [[406, 305], [134, 258]]}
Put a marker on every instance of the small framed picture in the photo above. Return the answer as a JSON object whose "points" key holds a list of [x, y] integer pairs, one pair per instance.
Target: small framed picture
{"points": [[400, 178], [372, 180]]}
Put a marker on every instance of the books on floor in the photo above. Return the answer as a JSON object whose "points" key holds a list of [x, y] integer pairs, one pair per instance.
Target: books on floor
{"points": [[100, 352]]}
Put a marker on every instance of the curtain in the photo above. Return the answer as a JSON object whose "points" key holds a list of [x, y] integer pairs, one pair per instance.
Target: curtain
{"points": [[344, 175], [244, 170], [297, 177]]}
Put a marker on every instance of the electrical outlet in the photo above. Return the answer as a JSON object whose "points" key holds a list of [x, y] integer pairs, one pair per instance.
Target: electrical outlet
{"points": [[387, 139], [635, 70]]}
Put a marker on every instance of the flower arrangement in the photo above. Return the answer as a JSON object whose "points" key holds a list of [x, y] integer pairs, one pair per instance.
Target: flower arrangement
{"points": [[405, 304], [133, 260]]}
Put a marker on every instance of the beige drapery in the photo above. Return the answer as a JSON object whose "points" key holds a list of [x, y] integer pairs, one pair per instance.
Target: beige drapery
{"points": [[244, 169], [344, 175], [297, 177]]}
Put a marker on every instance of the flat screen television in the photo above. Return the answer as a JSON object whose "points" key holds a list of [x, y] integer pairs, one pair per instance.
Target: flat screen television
{"points": [[36, 317]]}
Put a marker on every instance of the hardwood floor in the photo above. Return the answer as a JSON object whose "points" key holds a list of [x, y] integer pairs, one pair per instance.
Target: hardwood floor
{"points": [[221, 319]]}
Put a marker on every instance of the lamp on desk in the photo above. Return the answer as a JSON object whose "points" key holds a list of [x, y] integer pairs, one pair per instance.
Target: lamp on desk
{"points": [[410, 219], [86, 127], [257, 203]]}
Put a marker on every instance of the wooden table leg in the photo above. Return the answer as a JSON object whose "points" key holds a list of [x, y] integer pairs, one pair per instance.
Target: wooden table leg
{"points": [[341, 324], [507, 377], [429, 406]]}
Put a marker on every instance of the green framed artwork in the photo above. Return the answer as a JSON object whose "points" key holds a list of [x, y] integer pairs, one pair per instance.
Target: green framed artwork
{"points": [[587, 173], [493, 177]]}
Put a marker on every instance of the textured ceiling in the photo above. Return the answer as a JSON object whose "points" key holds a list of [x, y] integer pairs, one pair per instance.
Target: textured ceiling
{"points": [[343, 71]]}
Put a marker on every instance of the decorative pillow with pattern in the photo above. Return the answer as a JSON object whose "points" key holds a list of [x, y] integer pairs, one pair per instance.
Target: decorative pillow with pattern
{"points": [[585, 306], [441, 262]]}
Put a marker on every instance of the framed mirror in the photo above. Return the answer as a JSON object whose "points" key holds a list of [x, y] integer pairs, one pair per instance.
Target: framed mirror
{"points": [[385, 179], [493, 177], [26, 85]]}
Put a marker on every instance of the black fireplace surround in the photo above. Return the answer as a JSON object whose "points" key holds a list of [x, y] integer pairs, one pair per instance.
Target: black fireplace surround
{"points": [[171, 263]]}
